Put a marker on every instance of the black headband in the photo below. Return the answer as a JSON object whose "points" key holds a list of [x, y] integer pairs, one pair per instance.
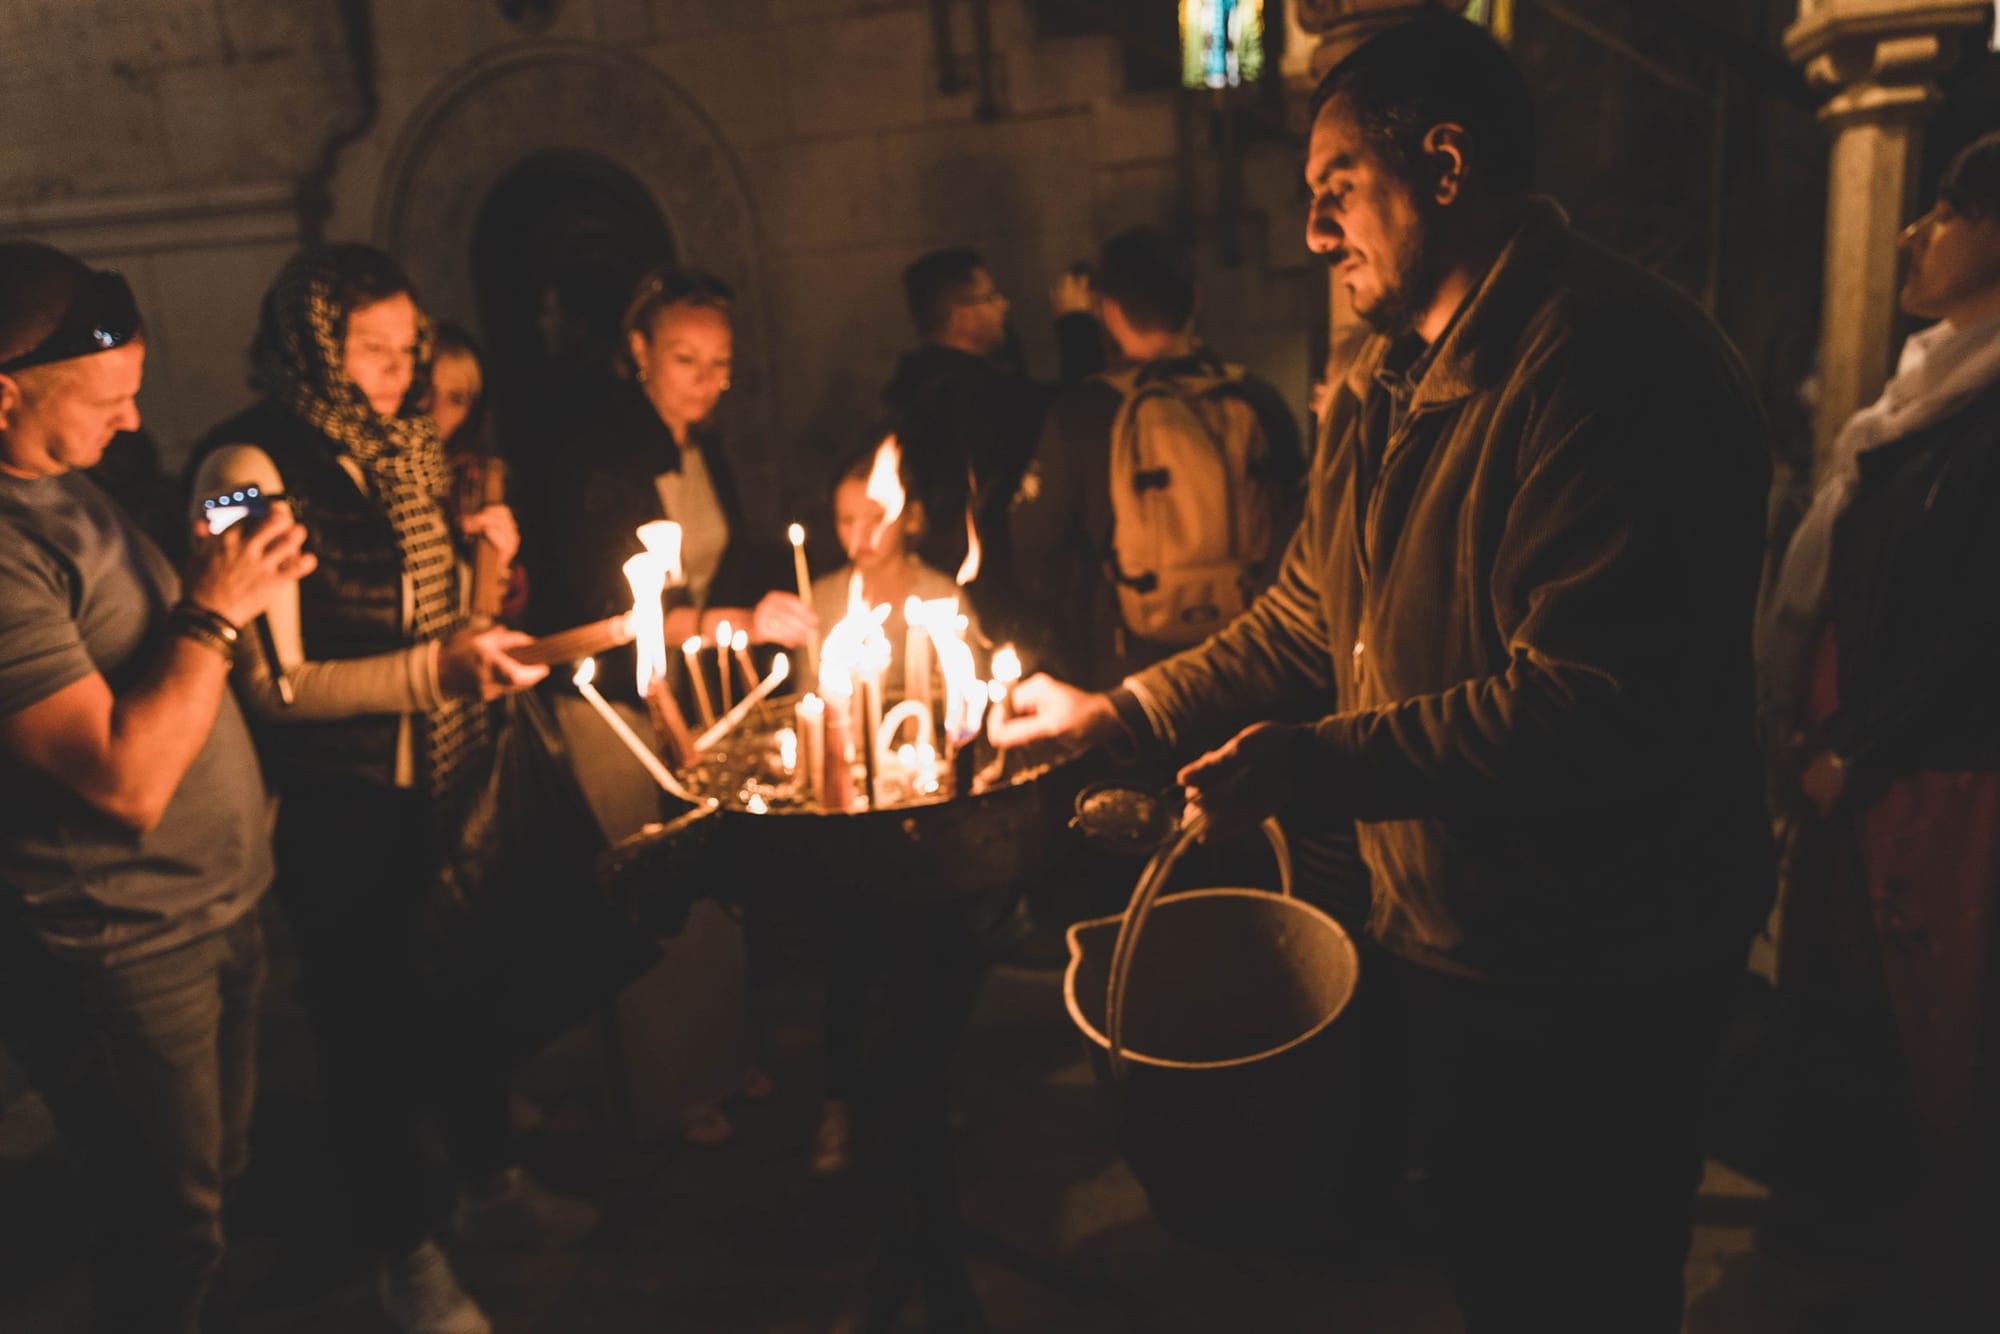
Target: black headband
{"points": [[101, 316]]}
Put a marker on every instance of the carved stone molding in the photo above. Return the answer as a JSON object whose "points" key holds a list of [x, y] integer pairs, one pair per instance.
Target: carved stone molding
{"points": [[1878, 57], [154, 224], [540, 95], [1887, 43]]}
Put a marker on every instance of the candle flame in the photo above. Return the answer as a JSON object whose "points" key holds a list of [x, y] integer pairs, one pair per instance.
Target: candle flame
{"points": [[885, 483], [722, 634], [855, 644], [647, 573], [739, 641], [797, 534], [968, 569], [662, 537], [964, 695], [691, 645], [1006, 665], [586, 672]]}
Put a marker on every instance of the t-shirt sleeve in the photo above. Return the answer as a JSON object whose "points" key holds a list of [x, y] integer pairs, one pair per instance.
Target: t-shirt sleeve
{"points": [[41, 650]]}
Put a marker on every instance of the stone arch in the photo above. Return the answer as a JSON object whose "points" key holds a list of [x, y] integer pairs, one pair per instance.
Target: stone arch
{"points": [[540, 96]]}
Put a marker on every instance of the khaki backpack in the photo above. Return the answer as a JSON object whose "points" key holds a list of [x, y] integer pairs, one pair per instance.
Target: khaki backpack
{"points": [[1191, 502]]}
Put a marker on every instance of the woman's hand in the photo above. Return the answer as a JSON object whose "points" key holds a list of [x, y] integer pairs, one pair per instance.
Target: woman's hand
{"points": [[781, 618], [474, 663], [496, 525], [1243, 782], [1042, 708]]}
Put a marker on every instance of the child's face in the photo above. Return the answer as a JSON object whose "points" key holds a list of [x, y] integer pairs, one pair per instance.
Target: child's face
{"points": [[859, 520]]}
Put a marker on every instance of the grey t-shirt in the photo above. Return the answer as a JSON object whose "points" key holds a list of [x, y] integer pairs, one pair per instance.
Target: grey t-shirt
{"points": [[82, 591]]}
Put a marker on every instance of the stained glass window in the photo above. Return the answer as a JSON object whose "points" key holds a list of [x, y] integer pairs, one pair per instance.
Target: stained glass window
{"points": [[1497, 15], [1222, 42]]}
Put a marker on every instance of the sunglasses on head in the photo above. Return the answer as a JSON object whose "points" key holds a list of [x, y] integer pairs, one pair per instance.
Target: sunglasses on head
{"points": [[101, 316]]}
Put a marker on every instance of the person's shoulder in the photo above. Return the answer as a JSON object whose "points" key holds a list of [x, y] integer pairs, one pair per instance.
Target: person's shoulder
{"points": [[930, 583]]}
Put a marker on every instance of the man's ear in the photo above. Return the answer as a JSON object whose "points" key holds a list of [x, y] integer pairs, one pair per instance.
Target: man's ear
{"points": [[10, 401], [1448, 152]]}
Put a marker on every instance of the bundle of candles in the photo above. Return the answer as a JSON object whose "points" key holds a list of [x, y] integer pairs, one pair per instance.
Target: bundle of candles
{"points": [[848, 747]]}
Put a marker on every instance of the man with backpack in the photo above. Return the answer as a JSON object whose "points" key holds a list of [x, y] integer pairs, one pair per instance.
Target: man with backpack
{"points": [[1162, 492]]}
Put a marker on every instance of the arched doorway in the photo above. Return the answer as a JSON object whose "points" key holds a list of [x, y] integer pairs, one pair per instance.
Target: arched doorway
{"points": [[557, 245], [576, 109]]}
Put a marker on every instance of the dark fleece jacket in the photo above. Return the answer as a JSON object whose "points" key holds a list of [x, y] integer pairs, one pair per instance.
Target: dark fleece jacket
{"points": [[1521, 656]]}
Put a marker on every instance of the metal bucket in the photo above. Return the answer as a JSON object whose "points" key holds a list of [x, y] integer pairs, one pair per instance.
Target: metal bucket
{"points": [[1214, 1012]]}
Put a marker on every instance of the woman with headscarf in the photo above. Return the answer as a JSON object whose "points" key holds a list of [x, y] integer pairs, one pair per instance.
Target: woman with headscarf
{"points": [[374, 737], [1878, 647]]}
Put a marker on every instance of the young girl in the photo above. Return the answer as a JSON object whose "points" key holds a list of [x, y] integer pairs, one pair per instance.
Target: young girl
{"points": [[886, 557], [890, 570]]}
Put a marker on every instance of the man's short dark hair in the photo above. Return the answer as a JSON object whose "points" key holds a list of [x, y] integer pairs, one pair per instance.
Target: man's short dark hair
{"points": [[1971, 182], [937, 282], [1151, 277], [1434, 69], [37, 284]]}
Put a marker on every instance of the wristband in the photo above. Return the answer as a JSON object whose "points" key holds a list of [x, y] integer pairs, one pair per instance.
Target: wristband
{"points": [[203, 635], [214, 622]]}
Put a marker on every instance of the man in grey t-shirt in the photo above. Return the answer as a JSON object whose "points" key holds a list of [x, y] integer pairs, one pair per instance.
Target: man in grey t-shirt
{"points": [[133, 844]]}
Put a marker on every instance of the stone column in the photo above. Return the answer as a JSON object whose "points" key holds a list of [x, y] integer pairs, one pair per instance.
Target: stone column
{"points": [[1878, 57]]}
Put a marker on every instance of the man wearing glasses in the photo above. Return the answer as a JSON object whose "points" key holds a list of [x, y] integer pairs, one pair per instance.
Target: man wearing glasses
{"points": [[133, 839]]}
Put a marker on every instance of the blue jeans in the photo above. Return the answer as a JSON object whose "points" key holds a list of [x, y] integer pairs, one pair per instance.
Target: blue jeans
{"points": [[148, 1069]]}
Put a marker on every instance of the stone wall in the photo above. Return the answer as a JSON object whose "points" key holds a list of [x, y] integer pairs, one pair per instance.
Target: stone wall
{"points": [[166, 138]]}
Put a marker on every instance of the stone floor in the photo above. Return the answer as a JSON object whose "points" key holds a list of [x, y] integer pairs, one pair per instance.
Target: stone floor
{"points": [[729, 1240]]}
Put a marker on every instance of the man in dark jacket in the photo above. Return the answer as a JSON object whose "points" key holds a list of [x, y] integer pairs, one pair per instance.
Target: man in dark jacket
{"points": [[1511, 638]]}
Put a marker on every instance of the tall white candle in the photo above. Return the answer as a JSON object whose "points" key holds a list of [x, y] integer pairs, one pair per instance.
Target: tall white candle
{"points": [[586, 672], [811, 715], [725, 674], [691, 651]]}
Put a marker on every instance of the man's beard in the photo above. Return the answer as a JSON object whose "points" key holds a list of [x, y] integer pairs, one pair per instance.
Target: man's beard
{"points": [[1406, 292]]}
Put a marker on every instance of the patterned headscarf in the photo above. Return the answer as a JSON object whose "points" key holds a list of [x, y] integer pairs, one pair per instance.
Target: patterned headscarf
{"points": [[299, 361]]}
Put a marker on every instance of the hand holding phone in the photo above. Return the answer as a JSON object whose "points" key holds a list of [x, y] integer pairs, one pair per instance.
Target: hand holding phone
{"points": [[232, 507]]}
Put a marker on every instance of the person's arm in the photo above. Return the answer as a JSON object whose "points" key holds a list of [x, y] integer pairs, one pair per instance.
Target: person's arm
{"points": [[1270, 662], [125, 754], [402, 681]]}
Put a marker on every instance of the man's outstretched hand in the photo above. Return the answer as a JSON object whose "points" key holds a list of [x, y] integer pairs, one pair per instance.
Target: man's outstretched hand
{"points": [[1044, 709], [1253, 776]]}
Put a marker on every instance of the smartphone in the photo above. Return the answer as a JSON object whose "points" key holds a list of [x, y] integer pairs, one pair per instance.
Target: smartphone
{"points": [[233, 507]]}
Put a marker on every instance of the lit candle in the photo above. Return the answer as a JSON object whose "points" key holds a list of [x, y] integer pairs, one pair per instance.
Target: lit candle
{"points": [[837, 771], [724, 674], [586, 672], [811, 715], [788, 750], [798, 536], [1006, 674], [916, 653], [691, 651], [739, 648], [781, 667]]}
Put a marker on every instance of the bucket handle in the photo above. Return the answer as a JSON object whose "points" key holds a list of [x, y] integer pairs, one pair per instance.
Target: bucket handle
{"points": [[1151, 881]]}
